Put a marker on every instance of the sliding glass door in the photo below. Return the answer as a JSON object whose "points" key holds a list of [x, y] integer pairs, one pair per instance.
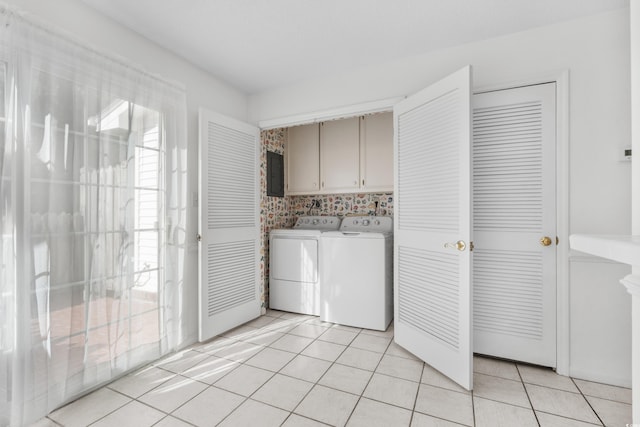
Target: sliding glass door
{"points": [[92, 162]]}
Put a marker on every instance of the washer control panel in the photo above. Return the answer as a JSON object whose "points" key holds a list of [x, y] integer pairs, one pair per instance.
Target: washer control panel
{"points": [[372, 224], [317, 223]]}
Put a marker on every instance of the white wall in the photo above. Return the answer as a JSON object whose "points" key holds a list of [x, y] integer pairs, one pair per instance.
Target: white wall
{"points": [[203, 90], [595, 50]]}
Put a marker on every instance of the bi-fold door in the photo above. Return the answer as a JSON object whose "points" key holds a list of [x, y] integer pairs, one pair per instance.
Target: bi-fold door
{"points": [[510, 310], [433, 226], [229, 224]]}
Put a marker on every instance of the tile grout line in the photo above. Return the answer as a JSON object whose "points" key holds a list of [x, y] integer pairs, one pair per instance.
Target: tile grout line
{"points": [[111, 412], [415, 401], [527, 393], [587, 400], [370, 378], [473, 404], [325, 372]]}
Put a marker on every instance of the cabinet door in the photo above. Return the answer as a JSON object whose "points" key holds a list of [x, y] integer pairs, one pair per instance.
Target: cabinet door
{"points": [[303, 159], [376, 152], [340, 155]]}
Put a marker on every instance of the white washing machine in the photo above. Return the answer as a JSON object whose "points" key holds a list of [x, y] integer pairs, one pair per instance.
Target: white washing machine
{"points": [[294, 277], [357, 273]]}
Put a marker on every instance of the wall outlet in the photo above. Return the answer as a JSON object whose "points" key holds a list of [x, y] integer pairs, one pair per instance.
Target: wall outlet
{"points": [[624, 155]]}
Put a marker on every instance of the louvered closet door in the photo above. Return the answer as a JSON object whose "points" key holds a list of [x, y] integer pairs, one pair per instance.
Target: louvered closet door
{"points": [[433, 201], [229, 224], [514, 275]]}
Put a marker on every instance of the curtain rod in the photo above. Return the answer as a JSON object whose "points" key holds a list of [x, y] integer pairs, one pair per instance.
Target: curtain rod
{"points": [[33, 21]]}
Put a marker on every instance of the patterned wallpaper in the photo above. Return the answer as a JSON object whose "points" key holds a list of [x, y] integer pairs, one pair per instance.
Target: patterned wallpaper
{"points": [[282, 212], [274, 211]]}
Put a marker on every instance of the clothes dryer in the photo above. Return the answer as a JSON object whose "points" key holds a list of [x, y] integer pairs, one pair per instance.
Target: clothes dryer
{"points": [[294, 261]]}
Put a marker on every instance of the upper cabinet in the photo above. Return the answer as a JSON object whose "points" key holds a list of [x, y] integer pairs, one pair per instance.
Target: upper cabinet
{"points": [[303, 159], [341, 156], [376, 152]]}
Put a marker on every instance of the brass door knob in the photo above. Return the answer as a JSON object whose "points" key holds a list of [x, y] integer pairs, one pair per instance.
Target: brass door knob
{"points": [[459, 245], [546, 241]]}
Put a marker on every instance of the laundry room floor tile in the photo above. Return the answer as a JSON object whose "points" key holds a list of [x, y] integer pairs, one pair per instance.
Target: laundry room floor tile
{"points": [[293, 370], [292, 343]]}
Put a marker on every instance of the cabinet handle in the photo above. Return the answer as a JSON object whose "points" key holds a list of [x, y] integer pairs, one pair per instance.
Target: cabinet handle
{"points": [[363, 182]]}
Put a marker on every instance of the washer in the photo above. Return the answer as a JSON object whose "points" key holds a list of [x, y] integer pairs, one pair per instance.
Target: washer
{"points": [[357, 273], [294, 278]]}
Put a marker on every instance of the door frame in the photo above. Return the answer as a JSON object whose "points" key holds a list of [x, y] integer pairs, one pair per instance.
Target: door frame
{"points": [[561, 79]]}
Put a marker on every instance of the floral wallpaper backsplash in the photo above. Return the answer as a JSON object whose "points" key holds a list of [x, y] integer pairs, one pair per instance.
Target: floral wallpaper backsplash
{"points": [[342, 205], [274, 211], [282, 212]]}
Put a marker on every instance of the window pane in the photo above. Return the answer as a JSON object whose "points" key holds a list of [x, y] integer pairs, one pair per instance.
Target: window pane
{"points": [[146, 124], [147, 209], [146, 255], [147, 168]]}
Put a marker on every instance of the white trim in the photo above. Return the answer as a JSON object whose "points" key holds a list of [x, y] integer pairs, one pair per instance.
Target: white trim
{"points": [[599, 377], [591, 259], [562, 211], [561, 79], [331, 114]]}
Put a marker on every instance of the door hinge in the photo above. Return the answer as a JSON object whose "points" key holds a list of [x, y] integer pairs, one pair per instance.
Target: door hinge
{"points": [[471, 246], [557, 241], [199, 237]]}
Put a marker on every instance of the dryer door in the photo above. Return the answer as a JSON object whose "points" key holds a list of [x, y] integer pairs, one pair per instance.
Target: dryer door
{"points": [[294, 259]]}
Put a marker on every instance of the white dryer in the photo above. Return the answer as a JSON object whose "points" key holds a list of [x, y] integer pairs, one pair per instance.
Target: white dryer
{"points": [[294, 277], [357, 273]]}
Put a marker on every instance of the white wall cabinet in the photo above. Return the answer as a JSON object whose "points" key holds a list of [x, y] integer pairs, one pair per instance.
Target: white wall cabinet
{"points": [[303, 159], [341, 156], [376, 152]]}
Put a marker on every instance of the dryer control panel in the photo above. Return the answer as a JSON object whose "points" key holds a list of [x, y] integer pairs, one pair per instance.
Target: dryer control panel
{"points": [[371, 224], [317, 223]]}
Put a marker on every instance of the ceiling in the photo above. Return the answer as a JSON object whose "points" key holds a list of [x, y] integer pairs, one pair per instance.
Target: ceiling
{"points": [[259, 45]]}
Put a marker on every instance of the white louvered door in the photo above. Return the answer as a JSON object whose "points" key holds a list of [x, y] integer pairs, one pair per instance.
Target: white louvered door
{"points": [[229, 224], [432, 277], [514, 275]]}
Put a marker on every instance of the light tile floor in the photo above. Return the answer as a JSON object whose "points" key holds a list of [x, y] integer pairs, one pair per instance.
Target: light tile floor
{"points": [[284, 369]]}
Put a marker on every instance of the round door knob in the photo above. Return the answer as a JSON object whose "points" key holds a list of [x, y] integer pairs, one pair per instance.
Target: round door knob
{"points": [[459, 245], [546, 241]]}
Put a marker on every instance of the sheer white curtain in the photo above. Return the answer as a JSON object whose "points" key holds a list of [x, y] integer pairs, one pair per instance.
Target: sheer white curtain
{"points": [[93, 205]]}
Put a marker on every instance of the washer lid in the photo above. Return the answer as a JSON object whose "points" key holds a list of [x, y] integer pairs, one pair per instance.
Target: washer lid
{"points": [[355, 235], [296, 233]]}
